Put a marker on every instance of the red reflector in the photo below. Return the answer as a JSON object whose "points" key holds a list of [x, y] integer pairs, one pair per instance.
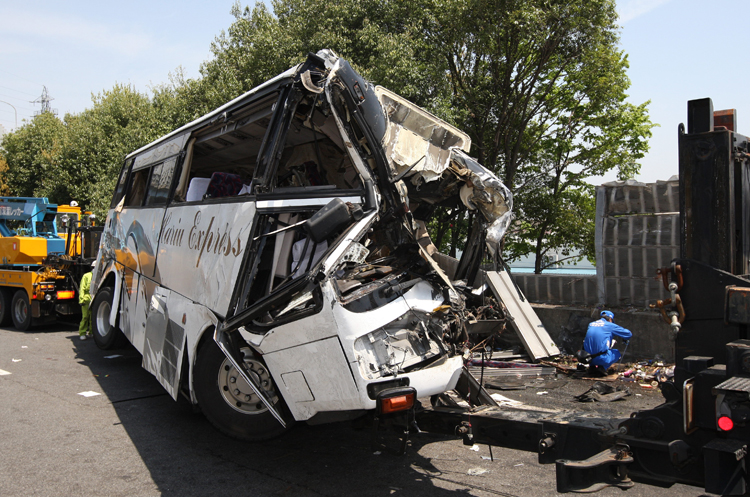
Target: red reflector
{"points": [[726, 423], [395, 404], [66, 294]]}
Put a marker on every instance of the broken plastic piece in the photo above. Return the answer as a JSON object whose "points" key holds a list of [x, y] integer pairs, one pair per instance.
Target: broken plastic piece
{"points": [[89, 394]]}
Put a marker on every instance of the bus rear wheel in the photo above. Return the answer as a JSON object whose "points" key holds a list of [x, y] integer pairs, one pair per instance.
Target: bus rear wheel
{"points": [[229, 403], [106, 336], [20, 311]]}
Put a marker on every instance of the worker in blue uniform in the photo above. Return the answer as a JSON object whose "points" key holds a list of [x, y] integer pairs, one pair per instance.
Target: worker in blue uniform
{"points": [[599, 342]]}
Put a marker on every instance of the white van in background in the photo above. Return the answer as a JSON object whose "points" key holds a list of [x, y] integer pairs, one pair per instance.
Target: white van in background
{"points": [[270, 260]]}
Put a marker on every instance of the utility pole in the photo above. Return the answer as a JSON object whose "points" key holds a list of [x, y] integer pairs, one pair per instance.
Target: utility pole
{"points": [[44, 100], [14, 110]]}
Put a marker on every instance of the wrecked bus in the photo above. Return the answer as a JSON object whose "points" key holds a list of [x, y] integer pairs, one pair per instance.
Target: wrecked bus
{"points": [[270, 260]]}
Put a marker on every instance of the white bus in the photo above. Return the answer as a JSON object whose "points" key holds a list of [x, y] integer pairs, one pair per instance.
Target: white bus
{"points": [[270, 259]]}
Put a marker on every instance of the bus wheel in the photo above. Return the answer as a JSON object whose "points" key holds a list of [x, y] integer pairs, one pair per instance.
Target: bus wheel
{"points": [[106, 336], [5, 297], [229, 402], [20, 311]]}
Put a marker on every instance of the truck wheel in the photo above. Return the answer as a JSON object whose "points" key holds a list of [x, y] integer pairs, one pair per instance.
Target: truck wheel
{"points": [[229, 402], [21, 311], [106, 336], [5, 298]]}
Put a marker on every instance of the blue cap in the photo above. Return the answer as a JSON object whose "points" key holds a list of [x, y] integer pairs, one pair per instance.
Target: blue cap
{"points": [[608, 314]]}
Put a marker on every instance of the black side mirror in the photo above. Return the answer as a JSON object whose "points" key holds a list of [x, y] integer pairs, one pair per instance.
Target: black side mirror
{"points": [[331, 218]]}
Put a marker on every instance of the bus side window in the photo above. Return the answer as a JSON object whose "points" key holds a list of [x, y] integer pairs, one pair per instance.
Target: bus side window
{"points": [[137, 190], [161, 182], [121, 184], [314, 155], [229, 147]]}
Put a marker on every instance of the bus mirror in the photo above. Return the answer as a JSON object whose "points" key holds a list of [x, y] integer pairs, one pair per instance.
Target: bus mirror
{"points": [[328, 220]]}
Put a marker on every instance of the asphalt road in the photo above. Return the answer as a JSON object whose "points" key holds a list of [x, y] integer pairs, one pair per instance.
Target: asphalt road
{"points": [[133, 439]]}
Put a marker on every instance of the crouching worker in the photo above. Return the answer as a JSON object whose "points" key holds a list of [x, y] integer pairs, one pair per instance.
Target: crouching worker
{"points": [[84, 298], [599, 342]]}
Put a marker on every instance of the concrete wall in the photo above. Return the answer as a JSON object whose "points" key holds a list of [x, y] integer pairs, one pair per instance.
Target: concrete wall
{"points": [[567, 327], [558, 289]]}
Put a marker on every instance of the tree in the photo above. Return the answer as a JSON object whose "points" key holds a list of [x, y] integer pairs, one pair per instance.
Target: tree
{"points": [[585, 129], [4, 190], [96, 143], [383, 40], [32, 153]]}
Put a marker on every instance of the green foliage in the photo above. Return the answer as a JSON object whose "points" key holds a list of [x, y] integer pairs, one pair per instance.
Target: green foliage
{"points": [[383, 40], [449, 228], [32, 152], [4, 190]]}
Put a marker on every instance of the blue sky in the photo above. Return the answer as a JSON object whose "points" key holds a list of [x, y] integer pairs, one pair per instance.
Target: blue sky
{"points": [[678, 50]]}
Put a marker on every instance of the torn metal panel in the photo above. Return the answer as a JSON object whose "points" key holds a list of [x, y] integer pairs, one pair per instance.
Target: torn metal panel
{"points": [[522, 317], [484, 192], [416, 142], [157, 322]]}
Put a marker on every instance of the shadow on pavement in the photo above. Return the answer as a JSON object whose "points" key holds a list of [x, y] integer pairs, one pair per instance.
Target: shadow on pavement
{"points": [[185, 455]]}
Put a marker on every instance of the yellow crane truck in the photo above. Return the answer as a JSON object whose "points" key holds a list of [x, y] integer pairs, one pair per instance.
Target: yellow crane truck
{"points": [[72, 217], [39, 269]]}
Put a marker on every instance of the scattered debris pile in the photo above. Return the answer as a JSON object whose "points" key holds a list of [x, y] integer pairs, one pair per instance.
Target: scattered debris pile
{"points": [[647, 374], [485, 319]]}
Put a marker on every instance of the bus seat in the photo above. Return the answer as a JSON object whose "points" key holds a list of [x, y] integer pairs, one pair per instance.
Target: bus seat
{"points": [[197, 189], [224, 185], [282, 250], [301, 261]]}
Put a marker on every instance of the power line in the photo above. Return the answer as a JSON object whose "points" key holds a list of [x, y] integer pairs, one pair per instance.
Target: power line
{"points": [[6, 73], [17, 91]]}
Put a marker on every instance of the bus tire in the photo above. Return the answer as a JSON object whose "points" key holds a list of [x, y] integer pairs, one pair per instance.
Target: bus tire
{"points": [[105, 335], [20, 311], [229, 403], [5, 300]]}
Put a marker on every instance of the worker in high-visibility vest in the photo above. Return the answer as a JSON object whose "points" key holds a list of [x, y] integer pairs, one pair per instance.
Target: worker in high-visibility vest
{"points": [[84, 298]]}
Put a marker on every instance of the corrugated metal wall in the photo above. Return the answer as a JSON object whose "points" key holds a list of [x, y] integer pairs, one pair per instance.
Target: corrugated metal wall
{"points": [[637, 231]]}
